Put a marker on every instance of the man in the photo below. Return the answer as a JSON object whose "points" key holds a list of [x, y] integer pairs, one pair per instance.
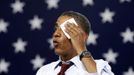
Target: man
{"points": [[74, 58]]}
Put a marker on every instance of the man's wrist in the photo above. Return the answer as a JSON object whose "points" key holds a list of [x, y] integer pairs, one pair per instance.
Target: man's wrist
{"points": [[85, 54], [80, 50]]}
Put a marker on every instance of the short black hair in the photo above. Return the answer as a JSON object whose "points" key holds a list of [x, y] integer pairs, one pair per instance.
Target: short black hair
{"points": [[80, 19]]}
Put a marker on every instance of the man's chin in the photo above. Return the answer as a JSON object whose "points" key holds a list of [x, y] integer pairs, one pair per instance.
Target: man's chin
{"points": [[58, 51]]}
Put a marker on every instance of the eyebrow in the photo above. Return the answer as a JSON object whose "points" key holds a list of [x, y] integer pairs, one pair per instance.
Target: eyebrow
{"points": [[56, 24], [55, 27]]}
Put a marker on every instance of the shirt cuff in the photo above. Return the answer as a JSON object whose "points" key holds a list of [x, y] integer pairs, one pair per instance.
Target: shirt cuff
{"points": [[103, 68]]}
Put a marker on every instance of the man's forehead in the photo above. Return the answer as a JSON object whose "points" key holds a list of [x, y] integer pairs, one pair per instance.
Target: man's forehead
{"points": [[62, 19]]}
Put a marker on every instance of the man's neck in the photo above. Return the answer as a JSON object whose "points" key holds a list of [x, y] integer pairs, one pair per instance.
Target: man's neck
{"points": [[67, 57]]}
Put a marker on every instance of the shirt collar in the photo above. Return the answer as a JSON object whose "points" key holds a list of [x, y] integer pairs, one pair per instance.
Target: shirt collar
{"points": [[75, 61]]}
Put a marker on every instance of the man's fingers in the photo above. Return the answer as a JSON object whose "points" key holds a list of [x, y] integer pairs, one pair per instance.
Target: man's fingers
{"points": [[72, 27], [70, 30], [73, 30], [77, 28]]}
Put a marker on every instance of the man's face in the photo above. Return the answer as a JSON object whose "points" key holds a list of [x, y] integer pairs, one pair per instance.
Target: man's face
{"points": [[61, 43]]}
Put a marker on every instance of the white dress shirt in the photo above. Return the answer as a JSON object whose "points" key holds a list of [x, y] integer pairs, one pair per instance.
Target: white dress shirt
{"points": [[77, 68]]}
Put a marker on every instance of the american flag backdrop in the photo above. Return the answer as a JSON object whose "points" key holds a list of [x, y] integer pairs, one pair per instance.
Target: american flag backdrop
{"points": [[26, 28]]}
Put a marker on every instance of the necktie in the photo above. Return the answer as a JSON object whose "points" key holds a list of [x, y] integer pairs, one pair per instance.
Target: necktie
{"points": [[64, 67]]}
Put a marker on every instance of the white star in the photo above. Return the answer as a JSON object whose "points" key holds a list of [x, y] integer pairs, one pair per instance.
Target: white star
{"points": [[19, 45], [37, 62], [128, 36], [122, 1], [92, 38], [17, 6], [52, 3], [107, 16], [4, 66], [3, 26], [129, 72], [88, 2], [36, 22], [110, 56], [50, 41]]}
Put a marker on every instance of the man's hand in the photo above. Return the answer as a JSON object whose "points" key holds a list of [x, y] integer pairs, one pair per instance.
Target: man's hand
{"points": [[78, 37]]}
